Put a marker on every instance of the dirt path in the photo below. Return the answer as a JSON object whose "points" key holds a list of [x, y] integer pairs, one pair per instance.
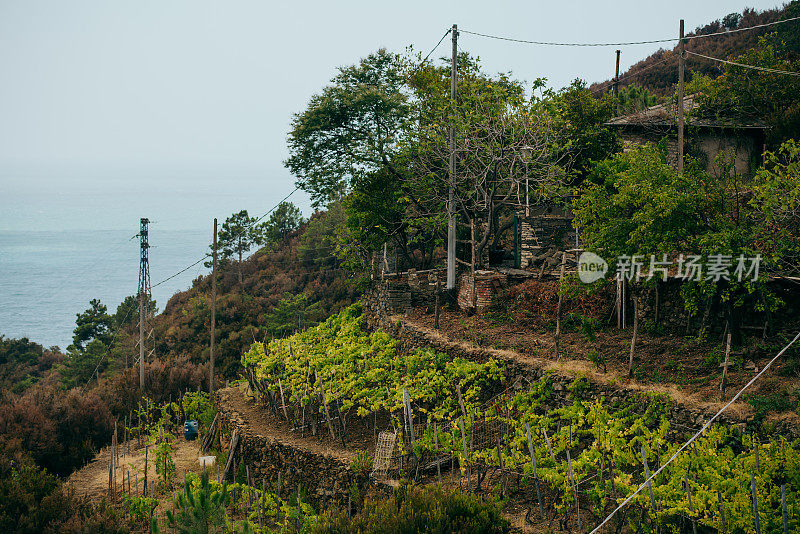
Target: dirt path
{"points": [[615, 376], [258, 421], [92, 480]]}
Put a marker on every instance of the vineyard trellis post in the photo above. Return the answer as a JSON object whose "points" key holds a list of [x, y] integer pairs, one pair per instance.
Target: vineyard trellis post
{"points": [[574, 490], [783, 509], [646, 467], [436, 449], [755, 503], [535, 473], [466, 456], [691, 507]]}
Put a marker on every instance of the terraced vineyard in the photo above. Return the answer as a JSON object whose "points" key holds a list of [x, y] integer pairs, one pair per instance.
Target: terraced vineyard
{"points": [[581, 458]]}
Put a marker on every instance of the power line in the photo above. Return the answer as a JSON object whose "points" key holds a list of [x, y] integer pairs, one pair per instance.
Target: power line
{"points": [[234, 237], [628, 43], [699, 432], [437, 44], [120, 327], [625, 76], [743, 65], [551, 43]]}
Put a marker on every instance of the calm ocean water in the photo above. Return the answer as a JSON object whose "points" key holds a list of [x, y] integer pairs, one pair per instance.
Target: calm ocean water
{"points": [[65, 238], [46, 277]]}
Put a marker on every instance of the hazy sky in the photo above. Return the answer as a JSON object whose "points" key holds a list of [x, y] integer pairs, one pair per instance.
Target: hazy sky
{"points": [[179, 110]]}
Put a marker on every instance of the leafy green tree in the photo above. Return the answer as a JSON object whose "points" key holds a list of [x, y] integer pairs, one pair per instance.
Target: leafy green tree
{"points": [[636, 204], [284, 220], [754, 95], [91, 339], [292, 313], [128, 311], [350, 129], [633, 98], [238, 234], [731, 21], [93, 324], [581, 122]]}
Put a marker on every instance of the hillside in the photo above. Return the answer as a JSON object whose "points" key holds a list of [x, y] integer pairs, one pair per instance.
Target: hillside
{"points": [[658, 72]]}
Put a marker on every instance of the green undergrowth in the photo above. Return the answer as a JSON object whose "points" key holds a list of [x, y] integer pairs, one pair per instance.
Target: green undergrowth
{"points": [[606, 443]]}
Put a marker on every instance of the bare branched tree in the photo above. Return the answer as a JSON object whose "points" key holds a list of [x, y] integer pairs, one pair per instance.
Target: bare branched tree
{"points": [[504, 160]]}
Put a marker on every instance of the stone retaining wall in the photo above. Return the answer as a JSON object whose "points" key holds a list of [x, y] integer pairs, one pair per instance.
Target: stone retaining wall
{"points": [[684, 419], [325, 479]]}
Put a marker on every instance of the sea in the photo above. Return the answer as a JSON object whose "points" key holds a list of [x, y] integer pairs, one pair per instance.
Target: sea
{"points": [[62, 247]]}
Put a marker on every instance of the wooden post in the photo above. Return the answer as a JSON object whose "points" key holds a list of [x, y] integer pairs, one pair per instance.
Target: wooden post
{"points": [[535, 474], [231, 454], [249, 486], [681, 66], [451, 205], [472, 266], [755, 503], [466, 456], [549, 446], [691, 507], [261, 501], [574, 489], [616, 77], [725, 364], [437, 305], [783, 509], [647, 473], [409, 415], [299, 509], [110, 478], [325, 405], [144, 488], [558, 310], [213, 310], [436, 449], [634, 336], [283, 400]]}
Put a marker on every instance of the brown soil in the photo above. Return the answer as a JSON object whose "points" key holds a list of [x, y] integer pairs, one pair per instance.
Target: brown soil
{"points": [[92, 480], [683, 368], [258, 420]]}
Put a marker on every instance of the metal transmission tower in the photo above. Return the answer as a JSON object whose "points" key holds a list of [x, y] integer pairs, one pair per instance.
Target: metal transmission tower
{"points": [[144, 294]]}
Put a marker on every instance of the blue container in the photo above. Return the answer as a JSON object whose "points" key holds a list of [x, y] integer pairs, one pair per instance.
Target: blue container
{"points": [[190, 430]]}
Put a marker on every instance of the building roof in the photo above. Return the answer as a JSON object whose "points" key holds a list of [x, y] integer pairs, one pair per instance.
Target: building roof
{"points": [[666, 114]]}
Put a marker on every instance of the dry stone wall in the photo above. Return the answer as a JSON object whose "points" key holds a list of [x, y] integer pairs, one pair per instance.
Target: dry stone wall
{"points": [[324, 479], [685, 419]]}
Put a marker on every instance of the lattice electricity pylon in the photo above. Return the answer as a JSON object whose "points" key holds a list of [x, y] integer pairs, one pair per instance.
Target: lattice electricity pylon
{"points": [[383, 454], [145, 296]]}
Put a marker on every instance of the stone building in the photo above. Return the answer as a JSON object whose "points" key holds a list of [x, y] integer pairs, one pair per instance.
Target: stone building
{"points": [[705, 137]]}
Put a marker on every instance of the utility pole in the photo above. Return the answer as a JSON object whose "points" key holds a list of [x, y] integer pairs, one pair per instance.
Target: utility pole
{"points": [[213, 308], [616, 77], [681, 61], [451, 221], [144, 292]]}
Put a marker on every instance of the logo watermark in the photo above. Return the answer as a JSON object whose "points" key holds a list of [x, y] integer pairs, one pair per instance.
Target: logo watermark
{"points": [[591, 267], [692, 268]]}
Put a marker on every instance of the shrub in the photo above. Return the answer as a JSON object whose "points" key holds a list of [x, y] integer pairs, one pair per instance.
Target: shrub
{"points": [[199, 509], [429, 509]]}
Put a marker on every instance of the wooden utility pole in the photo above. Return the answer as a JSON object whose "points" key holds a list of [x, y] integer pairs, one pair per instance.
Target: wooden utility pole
{"points": [[681, 62], [616, 77], [213, 309], [451, 221]]}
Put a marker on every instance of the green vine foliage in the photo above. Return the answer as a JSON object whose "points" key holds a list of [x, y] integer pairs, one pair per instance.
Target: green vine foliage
{"points": [[363, 372], [163, 449]]}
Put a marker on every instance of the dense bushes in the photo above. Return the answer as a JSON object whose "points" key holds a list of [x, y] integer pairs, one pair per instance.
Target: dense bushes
{"points": [[34, 501], [418, 509]]}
